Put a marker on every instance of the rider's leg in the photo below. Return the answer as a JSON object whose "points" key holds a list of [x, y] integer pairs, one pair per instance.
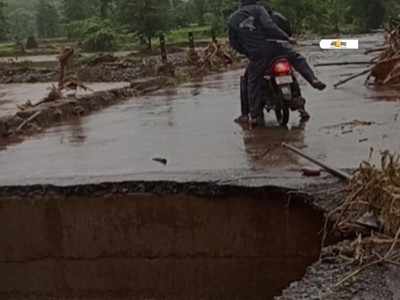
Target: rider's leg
{"points": [[256, 87], [244, 100], [300, 64]]}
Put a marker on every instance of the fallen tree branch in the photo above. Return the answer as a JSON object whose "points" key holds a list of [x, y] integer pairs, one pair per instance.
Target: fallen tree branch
{"points": [[30, 119], [329, 169], [373, 50], [343, 63], [352, 77]]}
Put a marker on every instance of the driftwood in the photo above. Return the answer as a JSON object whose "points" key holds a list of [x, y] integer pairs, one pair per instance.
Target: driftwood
{"points": [[65, 55], [335, 172], [373, 50], [386, 70], [373, 190], [341, 82], [30, 119], [343, 63]]}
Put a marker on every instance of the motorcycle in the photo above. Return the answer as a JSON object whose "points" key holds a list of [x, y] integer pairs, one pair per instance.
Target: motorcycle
{"points": [[282, 90]]}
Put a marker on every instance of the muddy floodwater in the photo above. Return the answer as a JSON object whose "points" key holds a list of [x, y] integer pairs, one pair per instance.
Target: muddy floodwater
{"points": [[192, 128], [15, 94], [236, 245]]}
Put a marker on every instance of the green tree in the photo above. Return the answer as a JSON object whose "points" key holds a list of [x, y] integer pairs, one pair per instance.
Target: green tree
{"points": [[146, 17], [21, 24], [104, 7], [76, 10], [3, 22], [199, 9], [47, 19]]}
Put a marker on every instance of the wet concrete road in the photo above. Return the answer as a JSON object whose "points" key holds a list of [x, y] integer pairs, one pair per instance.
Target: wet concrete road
{"points": [[12, 95], [192, 127]]}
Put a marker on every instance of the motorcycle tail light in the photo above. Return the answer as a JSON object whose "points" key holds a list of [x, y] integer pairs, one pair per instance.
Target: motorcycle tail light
{"points": [[282, 67]]}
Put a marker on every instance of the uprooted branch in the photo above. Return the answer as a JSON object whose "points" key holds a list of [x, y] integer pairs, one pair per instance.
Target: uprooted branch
{"points": [[372, 213], [386, 67]]}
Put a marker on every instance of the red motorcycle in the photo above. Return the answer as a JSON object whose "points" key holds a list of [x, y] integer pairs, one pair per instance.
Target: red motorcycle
{"points": [[283, 92]]}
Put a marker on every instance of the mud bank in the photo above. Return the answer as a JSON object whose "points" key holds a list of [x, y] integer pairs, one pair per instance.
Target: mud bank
{"points": [[154, 240], [321, 279], [96, 68], [26, 73], [47, 114]]}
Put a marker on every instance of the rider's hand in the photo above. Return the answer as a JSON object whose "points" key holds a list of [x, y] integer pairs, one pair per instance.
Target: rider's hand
{"points": [[292, 41]]}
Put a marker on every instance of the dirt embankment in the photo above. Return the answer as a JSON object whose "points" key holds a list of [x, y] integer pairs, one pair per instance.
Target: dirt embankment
{"points": [[100, 67], [26, 73]]}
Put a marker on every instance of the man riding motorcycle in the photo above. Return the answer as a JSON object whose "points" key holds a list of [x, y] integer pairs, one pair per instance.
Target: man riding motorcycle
{"points": [[253, 33]]}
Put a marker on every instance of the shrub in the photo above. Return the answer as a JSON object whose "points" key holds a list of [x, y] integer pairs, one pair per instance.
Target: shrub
{"points": [[96, 34]]}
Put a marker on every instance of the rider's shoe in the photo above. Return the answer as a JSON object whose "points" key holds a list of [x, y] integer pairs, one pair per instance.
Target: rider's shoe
{"points": [[257, 122], [304, 115], [242, 120], [317, 84]]}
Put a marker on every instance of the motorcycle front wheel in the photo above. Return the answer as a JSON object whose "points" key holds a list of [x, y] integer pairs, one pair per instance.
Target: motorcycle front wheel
{"points": [[282, 113]]}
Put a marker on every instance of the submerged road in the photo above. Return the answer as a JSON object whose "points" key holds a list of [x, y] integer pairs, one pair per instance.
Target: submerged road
{"points": [[192, 127]]}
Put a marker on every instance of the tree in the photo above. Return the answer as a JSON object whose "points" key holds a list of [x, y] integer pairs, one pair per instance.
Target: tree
{"points": [[3, 21], [76, 10], [104, 7], [47, 19], [146, 17], [200, 8], [21, 24]]}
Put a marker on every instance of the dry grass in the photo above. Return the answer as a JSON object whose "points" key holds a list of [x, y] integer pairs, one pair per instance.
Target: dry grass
{"points": [[386, 70], [374, 191]]}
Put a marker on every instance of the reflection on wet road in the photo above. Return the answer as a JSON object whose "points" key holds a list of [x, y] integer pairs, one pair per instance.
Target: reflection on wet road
{"points": [[192, 127]]}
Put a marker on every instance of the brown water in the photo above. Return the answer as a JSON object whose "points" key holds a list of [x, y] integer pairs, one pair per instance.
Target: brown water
{"points": [[192, 127], [246, 245]]}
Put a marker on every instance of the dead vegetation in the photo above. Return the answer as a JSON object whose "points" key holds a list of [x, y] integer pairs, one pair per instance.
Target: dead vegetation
{"points": [[385, 70], [214, 57], [371, 213]]}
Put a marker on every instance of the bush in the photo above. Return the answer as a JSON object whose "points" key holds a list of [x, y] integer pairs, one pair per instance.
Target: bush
{"points": [[95, 33], [31, 43], [102, 40]]}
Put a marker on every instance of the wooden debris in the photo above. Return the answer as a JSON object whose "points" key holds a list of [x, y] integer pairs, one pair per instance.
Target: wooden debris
{"points": [[64, 57], [309, 172], [374, 201], [53, 95], [345, 63], [75, 85], [30, 119], [216, 56], [386, 70], [341, 82], [339, 174], [373, 50]]}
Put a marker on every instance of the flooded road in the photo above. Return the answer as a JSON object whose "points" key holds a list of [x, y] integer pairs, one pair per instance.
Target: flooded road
{"points": [[192, 128], [12, 95]]}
